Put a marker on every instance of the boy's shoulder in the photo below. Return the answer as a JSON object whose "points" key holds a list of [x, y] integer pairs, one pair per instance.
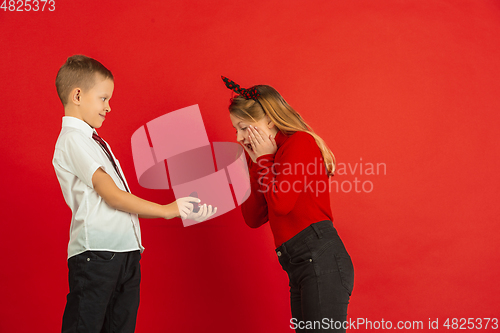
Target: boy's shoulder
{"points": [[75, 156], [70, 136]]}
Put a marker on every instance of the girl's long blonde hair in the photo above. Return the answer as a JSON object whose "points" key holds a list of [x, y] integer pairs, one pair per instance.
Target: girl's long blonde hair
{"points": [[286, 119]]}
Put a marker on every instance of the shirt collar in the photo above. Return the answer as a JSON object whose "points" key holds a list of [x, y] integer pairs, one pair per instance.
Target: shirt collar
{"points": [[69, 121]]}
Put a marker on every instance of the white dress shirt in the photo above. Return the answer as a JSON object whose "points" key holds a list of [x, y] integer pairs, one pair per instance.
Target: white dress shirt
{"points": [[94, 224]]}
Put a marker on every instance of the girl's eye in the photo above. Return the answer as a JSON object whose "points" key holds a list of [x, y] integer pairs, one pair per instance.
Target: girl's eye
{"points": [[243, 129]]}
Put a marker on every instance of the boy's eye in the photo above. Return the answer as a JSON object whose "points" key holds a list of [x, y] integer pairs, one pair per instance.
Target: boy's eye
{"points": [[103, 99]]}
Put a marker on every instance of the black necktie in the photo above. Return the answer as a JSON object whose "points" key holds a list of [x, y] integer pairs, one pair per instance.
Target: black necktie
{"points": [[104, 147]]}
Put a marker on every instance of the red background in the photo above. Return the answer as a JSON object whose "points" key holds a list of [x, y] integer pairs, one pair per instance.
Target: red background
{"points": [[412, 84]]}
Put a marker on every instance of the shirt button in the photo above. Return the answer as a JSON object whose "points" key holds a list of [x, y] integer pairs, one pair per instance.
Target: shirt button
{"points": [[88, 259], [278, 253]]}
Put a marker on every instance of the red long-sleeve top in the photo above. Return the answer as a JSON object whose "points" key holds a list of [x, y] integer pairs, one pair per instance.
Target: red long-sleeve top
{"points": [[290, 188]]}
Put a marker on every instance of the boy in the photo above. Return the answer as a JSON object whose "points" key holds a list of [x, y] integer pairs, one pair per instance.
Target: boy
{"points": [[105, 246]]}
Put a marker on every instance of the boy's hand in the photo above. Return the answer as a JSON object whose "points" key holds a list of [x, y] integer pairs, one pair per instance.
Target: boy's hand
{"points": [[185, 206], [204, 213]]}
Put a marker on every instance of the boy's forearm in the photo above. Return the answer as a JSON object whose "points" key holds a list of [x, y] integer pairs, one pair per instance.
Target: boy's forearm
{"points": [[127, 202], [130, 203], [142, 216]]}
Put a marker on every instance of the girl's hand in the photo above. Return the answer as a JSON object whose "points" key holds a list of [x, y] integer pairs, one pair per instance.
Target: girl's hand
{"points": [[260, 142]]}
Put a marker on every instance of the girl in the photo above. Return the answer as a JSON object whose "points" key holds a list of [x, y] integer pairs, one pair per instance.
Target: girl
{"points": [[289, 168]]}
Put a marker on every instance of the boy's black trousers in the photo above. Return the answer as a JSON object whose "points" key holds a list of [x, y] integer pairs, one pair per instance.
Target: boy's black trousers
{"points": [[104, 292]]}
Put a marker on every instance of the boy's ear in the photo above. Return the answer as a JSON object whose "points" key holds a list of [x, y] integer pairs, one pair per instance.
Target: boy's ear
{"points": [[76, 96]]}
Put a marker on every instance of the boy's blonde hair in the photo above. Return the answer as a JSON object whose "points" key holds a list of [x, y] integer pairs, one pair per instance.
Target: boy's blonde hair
{"points": [[79, 71], [286, 119]]}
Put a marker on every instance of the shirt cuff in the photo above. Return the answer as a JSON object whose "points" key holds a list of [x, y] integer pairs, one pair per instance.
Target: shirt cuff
{"points": [[261, 169], [261, 164], [265, 160]]}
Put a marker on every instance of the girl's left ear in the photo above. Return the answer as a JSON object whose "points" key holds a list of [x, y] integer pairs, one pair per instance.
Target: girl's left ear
{"points": [[270, 123]]}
